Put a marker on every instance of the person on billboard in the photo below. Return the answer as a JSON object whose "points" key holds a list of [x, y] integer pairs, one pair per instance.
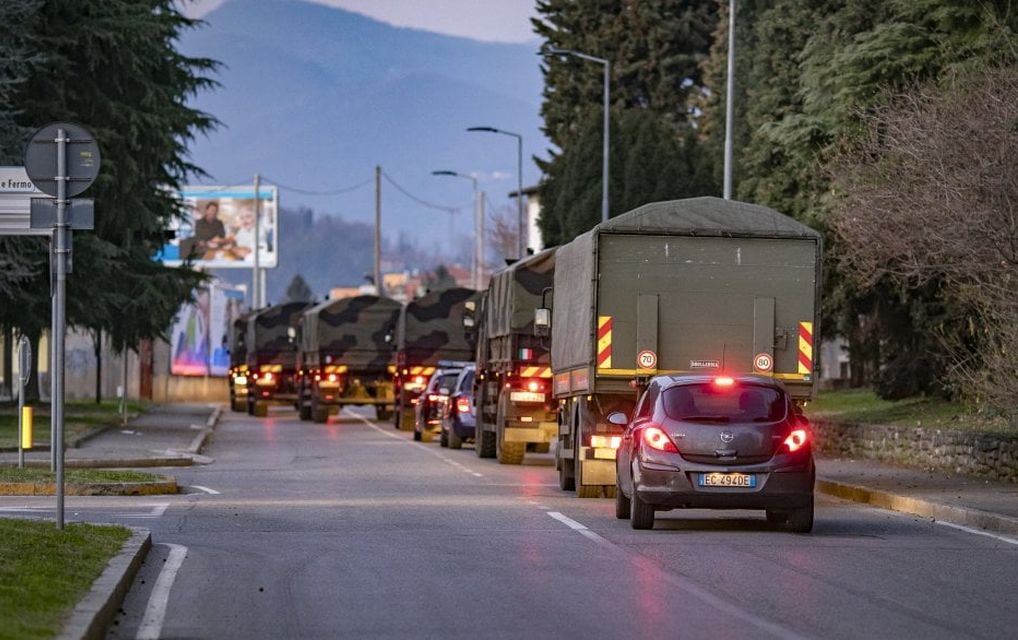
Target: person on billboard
{"points": [[209, 232], [245, 234]]}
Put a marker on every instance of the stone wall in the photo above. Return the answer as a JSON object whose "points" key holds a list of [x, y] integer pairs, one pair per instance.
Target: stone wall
{"points": [[987, 455]]}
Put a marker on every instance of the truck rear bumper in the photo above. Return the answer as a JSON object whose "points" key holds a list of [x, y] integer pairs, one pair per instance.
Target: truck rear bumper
{"points": [[543, 432]]}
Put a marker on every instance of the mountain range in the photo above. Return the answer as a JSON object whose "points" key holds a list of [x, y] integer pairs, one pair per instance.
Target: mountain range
{"points": [[313, 97]]}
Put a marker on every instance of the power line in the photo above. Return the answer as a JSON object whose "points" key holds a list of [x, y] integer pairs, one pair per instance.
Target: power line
{"points": [[327, 192], [420, 201]]}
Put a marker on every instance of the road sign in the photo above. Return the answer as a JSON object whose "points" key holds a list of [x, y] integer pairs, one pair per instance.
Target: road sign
{"points": [[16, 194], [763, 362], [24, 360], [82, 161], [647, 359], [80, 213]]}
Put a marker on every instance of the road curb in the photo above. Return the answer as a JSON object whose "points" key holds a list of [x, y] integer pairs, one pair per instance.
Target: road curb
{"points": [[964, 516], [202, 437], [112, 463], [95, 612], [163, 485]]}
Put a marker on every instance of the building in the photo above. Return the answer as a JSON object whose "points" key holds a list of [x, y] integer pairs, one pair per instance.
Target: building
{"points": [[532, 209]]}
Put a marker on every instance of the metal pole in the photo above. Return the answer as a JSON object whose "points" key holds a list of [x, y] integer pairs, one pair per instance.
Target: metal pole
{"points": [[729, 100], [607, 144], [477, 236], [62, 250], [256, 276], [521, 221], [52, 361], [123, 395], [379, 289], [480, 239], [21, 416]]}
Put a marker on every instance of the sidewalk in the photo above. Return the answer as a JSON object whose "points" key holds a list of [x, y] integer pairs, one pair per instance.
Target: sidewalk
{"points": [[962, 500], [166, 435]]}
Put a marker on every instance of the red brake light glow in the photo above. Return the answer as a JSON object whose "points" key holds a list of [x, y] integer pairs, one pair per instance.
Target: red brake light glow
{"points": [[419, 379], [533, 385], [332, 377], [463, 405], [268, 376], [796, 440], [724, 381], [658, 440]]}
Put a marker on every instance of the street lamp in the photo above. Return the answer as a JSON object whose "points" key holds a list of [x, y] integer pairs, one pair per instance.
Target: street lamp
{"points": [[555, 51], [521, 241], [478, 266]]}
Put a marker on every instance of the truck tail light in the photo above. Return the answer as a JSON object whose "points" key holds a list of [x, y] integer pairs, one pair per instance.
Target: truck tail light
{"points": [[463, 405], [268, 377], [605, 442], [658, 440], [796, 440], [534, 385], [333, 377]]}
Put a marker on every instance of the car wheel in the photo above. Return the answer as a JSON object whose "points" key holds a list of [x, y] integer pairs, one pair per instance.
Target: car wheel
{"points": [[455, 441], [622, 504], [417, 435], [777, 517], [801, 520], [641, 514], [443, 440]]}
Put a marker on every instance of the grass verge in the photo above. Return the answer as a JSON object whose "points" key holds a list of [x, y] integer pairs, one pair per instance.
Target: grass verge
{"points": [[866, 407], [80, 417], [75, 476], [45, 572]]}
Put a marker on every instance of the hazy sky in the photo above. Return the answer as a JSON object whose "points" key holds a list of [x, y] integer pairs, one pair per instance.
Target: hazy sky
{"points": [[489, 20]]}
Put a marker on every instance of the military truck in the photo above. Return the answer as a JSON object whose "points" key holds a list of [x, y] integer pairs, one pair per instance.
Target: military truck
{"points": [[345, 356], [271, 356], [430, 331], [237, 375], [698, 285], [512, 389]]}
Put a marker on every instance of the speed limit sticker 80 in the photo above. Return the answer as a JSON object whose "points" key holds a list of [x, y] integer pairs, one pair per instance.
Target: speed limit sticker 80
{"points": [[763, 362]]}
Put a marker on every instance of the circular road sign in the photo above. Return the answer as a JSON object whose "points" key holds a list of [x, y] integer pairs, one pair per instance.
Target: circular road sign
{"points": [[763, 362], [82, 158], [647, 359]]}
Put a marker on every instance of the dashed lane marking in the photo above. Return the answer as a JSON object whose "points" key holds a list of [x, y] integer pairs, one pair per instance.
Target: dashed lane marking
{"points": [[155, 611], [212, 492]]}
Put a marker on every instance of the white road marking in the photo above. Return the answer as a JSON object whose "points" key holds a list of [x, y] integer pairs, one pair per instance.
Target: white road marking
{"points": [[205, 489], [679, 582], [479, 475], [155, 612], [159, 509], [424, 447], [978, 532]]}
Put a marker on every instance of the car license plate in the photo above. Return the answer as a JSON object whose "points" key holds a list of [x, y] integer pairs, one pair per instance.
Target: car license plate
{"points": [[743, 480], [526, 396]]}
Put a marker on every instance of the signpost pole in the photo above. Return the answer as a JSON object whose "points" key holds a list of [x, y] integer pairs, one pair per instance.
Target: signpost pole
{"points": [[60, 236], [256, 280], [24, 372]]}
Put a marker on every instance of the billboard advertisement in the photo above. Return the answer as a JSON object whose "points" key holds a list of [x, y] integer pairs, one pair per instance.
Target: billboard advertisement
{"points": [[218, 228], [199, 339]]}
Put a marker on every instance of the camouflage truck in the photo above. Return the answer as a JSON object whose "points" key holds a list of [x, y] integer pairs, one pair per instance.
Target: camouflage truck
{"points": [[345, 356], [237, 375], [699, 285], [271, 356], [515, 408], [430, 331]]}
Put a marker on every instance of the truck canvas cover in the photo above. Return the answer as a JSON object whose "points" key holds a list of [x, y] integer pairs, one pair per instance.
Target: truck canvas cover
{"points": [[431, 328], [516, 291], [351, 331], [701, 284], [268, 339]]}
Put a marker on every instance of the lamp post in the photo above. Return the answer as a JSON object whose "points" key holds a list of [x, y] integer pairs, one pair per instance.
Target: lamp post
{"points": [[729, 102], [478, 266], [521, 240], [555, 51]]}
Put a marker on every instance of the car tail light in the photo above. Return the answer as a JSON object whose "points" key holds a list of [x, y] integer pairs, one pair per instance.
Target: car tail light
{"points": [[724, 381], [463, 405], [796, 440], [605, 442], [658, 440], [434, 397]]}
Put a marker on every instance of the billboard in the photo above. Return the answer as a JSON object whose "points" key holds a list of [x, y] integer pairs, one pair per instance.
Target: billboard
{"points": [[199, 339], [218, 228]]}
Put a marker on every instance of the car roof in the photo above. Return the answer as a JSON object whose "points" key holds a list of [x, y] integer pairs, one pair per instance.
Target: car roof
{"points": [[678, 379]]}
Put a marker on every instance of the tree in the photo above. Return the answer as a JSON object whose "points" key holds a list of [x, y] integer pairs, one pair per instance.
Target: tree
{"points": [[112, 66], [298, 290]]}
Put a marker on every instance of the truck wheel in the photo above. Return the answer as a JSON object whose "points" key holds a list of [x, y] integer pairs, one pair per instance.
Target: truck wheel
{"points": [[382, 413], [319, 412], [641, 514], [261, 409], [417, 435], [622, 504], [455, 441], [443, 440], [304, 409], [801, 520], [250, 406], [566, 475], [506, 452], [484, 443]]}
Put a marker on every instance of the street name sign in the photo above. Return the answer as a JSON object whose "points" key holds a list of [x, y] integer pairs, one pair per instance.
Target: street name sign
{"points": [[16, 194]]}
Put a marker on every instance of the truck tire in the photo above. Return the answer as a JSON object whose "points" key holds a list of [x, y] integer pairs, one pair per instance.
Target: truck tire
{"points": [[304, 408], [382, 413], [319, 412], [506, 452], [484, 443], [801, 520], [622, 504], [566, 475], [455, 441], [250, 406], [443, 439], [641, 514]]}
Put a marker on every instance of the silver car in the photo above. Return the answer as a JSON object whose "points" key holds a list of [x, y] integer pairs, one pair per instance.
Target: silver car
{"points": [[715, 442]]}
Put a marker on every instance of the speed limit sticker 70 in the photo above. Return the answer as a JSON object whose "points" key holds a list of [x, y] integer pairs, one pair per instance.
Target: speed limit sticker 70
{"points": [[647, 359], [763, 362]]}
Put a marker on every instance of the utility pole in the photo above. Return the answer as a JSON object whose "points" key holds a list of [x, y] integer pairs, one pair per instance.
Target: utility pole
{"points": [[379, 289], [479, 241], [729, 101], [256, 280]]}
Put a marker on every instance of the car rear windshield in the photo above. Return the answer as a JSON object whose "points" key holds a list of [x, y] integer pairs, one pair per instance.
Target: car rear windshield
{"points": [[445, 381], [467, 382], [710, 403]]}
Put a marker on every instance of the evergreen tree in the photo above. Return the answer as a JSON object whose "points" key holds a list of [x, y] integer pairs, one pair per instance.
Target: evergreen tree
{"points": [[298, 290]]}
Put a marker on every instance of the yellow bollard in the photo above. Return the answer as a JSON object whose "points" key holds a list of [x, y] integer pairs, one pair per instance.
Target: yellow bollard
{"points": [[26, 427]]}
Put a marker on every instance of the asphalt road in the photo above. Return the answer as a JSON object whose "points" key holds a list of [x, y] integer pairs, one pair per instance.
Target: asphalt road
{"points": [[350, 529]]}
